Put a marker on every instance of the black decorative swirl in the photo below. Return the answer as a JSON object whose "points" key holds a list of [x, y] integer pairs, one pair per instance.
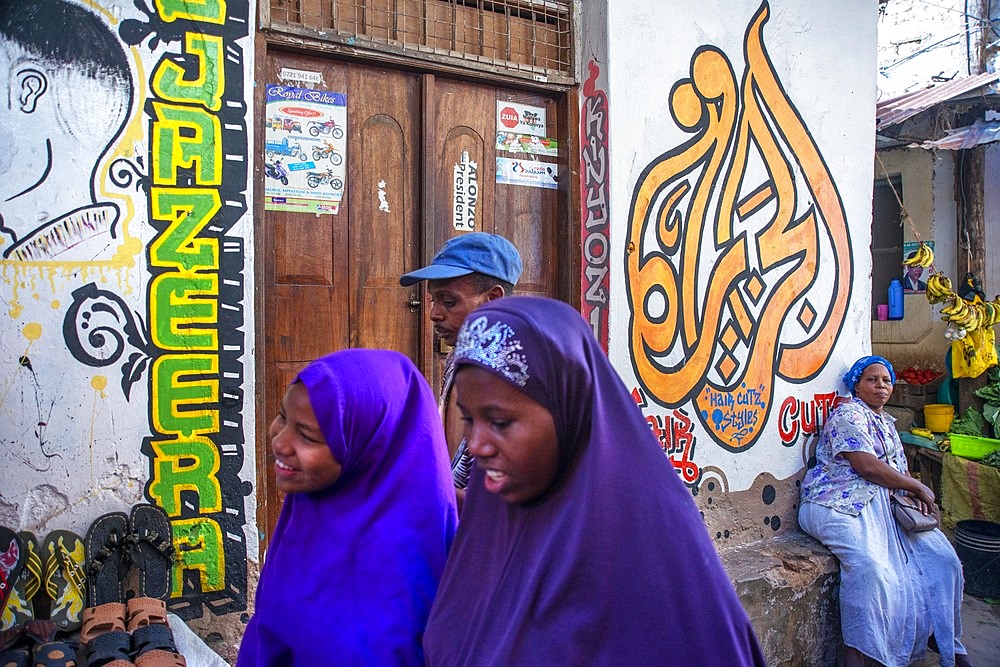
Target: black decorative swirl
{"points": [[99, 329], [123, 172]]}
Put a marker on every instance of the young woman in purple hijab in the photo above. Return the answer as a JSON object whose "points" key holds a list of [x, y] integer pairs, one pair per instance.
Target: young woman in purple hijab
{"points": [[578, 544], [369, 515]]}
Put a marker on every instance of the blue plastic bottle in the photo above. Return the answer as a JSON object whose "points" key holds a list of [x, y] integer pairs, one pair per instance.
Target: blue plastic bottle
{"points": [[895, 300]]}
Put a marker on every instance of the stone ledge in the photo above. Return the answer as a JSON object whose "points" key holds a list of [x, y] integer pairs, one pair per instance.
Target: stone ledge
{"points": [[789, 585]]}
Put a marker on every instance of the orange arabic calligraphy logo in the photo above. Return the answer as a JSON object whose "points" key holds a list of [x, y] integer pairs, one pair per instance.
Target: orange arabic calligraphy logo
{"points": [[738, 266]]}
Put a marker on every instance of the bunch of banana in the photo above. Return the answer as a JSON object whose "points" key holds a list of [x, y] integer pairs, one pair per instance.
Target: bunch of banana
{"points": [[923, 256], [970, 316], [923, 432], [939, 288]]}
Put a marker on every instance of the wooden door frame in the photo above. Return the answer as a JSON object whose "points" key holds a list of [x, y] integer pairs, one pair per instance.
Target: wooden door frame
{"points": [[568, 288]]}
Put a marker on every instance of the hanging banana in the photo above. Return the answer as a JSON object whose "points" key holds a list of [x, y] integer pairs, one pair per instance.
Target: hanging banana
{"points": [[923, 256]]}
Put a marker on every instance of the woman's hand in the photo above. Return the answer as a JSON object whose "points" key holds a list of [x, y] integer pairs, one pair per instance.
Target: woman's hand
{"points": [[924, 497]]}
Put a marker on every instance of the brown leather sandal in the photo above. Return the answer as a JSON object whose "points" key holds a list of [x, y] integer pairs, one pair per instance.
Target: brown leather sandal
{"points": [[99, 620], [160, 658], [146, 611]]}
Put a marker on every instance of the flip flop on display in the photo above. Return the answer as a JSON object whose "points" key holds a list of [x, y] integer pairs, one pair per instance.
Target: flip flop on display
{"points": [[65, 578], [20, 608], [12, 559]]}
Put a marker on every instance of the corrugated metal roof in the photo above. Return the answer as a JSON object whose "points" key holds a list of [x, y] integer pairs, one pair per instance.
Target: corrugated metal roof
{"points": [[908, 105]]}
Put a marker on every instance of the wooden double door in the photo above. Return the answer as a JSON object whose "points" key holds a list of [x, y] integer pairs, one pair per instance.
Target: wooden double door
{"points": [[330, 282]]}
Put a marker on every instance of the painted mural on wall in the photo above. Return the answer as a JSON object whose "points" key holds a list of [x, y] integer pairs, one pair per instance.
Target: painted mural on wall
{"points": [[594, 198], [124, 185], [738, 263]]}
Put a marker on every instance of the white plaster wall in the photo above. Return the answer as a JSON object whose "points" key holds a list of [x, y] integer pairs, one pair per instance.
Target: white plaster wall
{"points": [[70, 434], [824, 57], [919, 40]]}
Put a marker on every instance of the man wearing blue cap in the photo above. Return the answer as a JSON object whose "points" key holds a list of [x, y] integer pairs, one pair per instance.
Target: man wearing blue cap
{"points": [[465, 273]]}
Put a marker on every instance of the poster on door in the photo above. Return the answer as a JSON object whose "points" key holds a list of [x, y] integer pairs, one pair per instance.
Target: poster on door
{"points": [[529, 173], [520, 118], [305, 146]]}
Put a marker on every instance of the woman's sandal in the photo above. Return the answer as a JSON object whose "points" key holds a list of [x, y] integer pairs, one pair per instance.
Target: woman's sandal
{"points": [[153, 646], [102, 619], [145, 611], [54, 654], [19, 608], [106, 562], [65, 578], [151, 550], [110, 649], [15, 657], [12, 559]]}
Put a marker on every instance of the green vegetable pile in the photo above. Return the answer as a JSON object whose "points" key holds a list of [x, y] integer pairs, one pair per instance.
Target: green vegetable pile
{"points": [[991, 459], [970, 422], [991, 394], [973, 421]]}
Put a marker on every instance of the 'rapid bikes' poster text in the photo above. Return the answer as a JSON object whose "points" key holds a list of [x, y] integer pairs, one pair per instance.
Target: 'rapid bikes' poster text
{"points": [[305, 148]]}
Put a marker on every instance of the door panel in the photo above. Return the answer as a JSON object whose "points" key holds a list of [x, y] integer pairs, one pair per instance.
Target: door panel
{"points": [[384, 136], [332, 281]]}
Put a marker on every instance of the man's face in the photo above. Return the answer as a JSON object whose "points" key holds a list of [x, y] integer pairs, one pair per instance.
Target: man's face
{"points": [[914, 272], [451, 301]]}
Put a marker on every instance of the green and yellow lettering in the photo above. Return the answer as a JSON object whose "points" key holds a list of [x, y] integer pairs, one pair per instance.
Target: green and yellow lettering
{"points": [[177, 309], [186, 137], [208, 11], [189, 464], [199, 547], [207, 88], [188, 210], [181, 393]]}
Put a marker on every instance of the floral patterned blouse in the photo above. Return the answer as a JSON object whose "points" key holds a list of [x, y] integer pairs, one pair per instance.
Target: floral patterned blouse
{"points": [[852, 427]]}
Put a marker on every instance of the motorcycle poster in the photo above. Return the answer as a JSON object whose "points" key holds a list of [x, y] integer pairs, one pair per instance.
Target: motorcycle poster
{"points": [[305, 149]]}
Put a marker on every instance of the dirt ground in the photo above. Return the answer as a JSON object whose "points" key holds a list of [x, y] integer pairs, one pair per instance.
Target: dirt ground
{"points": [[980, 634]]}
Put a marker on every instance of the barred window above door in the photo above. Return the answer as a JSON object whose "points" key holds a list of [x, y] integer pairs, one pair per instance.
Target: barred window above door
{"points": [[526, 38]]}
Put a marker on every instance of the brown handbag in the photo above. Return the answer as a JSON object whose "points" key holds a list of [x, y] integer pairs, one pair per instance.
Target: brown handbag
{"points": [[908, 515]]}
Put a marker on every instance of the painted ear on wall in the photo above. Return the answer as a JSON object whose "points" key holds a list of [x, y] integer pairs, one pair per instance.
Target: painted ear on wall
{"points": [[31, 85]]}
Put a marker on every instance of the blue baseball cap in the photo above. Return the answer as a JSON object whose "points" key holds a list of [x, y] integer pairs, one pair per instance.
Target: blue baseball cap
{"points": [[472, 252]]}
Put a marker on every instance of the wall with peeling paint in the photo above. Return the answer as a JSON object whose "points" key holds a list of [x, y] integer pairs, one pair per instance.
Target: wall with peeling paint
{"points": [[740, 206], [126, 276]]}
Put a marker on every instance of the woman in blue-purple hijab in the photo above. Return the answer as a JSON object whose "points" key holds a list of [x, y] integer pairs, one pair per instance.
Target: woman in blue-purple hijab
{"points": [[358, 551], [578, 544]]}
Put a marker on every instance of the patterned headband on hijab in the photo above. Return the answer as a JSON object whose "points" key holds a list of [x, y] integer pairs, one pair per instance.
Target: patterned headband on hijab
{"points": [[852, 376]]}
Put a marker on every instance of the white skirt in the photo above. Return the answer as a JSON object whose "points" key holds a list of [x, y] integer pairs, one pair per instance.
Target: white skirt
{"points": [[896, 590]]}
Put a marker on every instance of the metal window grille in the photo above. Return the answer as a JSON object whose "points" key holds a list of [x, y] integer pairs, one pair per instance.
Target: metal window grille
{"points": [[532, 38]]}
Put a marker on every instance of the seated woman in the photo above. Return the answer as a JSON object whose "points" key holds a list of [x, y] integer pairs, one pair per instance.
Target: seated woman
{"points": [[355, 560], [578, 544], [896, 588]]}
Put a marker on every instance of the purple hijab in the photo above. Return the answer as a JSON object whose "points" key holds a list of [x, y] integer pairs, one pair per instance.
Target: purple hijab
{"points": [[351, 571], [613, 564]]}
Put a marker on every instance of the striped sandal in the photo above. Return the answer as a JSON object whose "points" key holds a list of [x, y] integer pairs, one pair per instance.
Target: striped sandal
{"points": [[12, 559], [20, 608], [65, 578]]}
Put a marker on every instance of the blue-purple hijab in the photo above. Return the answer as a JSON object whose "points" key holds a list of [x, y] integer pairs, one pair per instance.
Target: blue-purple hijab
{"points": [[351, 571], [613, 564]]}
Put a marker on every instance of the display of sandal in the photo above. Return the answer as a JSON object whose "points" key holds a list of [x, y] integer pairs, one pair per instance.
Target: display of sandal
{"points": [[102, 619], [65, 578], [17, 657], [54, 654], [106, 558], [153, 646], [20, 608], [151, 550], [110, 649], [12, 560], [145, 611]]}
